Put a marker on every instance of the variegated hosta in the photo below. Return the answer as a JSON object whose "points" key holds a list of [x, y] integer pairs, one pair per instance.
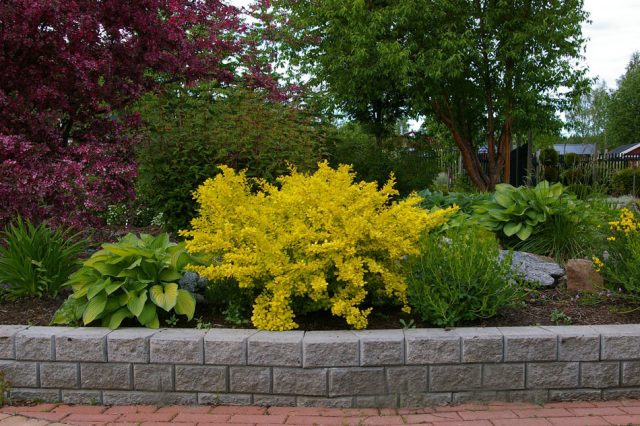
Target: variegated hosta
{"points": [[129, 279]]}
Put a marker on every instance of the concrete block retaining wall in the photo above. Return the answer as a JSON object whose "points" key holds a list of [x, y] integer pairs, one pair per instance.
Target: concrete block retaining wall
{"points": [[412, 367]]}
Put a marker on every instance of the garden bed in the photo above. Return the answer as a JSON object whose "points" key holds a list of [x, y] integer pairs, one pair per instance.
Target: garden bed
{"points": [[545, 307]]}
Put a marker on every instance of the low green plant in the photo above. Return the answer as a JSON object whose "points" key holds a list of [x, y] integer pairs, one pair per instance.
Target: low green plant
{"points": [[559, 317], [5, 386], [517, 211], [37, 260], [129, 279], [460, 277], [626, 182]]}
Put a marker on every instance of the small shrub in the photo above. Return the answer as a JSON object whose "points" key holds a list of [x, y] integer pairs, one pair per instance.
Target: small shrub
{"points": [[131, 278], [460, 277], [316, 242], [622, 183], [36, 260]]}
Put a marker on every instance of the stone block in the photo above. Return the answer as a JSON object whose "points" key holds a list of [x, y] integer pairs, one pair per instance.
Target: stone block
{"points": [[20, 374], [177, 346], [535, 396], [356, 381], [427, 399], [82, 344], [148, 398], [250, 379], [478, 396], [575, 395], [581, 276], [7, 340], [481, 344], [36, 343], [59, 375], [407, 379], [330, 348], [552, 375], [599, 374], [619, 342], [529, 344], [274, 400], [129, 345], [444, 378], [631, 373], [621, 393], [85, 397], [503, 376], [224, 399], [195, 378], [378, 401], [577, 343], [226, 346], [105, 376], [315, 401], [432, 346], [153, 377], [381, 347], [298, 381], [275, 348], [29, 394]]}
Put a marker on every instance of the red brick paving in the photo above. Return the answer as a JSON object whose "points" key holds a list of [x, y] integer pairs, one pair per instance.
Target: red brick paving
{"points": [[624, 412]]}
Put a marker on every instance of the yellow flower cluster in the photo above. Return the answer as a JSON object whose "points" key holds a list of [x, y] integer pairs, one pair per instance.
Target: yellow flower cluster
{"points": [[322, 238], [627, 223], [597, 263]]}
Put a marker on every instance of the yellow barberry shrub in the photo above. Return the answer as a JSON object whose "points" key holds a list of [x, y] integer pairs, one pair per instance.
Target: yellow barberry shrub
{"points": [[321, 237]]}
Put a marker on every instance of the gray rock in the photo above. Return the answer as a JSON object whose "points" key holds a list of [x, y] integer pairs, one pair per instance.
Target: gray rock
{"points": [[535, 269]]}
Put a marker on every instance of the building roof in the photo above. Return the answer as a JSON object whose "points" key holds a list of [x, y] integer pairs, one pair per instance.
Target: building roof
{"points": [[625, 149], [575, 148]]}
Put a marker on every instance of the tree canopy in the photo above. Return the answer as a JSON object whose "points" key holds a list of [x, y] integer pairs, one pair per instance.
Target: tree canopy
{"points": [[481, 67], [623, 125]]}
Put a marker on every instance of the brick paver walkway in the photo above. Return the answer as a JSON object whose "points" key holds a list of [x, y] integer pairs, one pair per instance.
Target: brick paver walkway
{"points": [[626, 412]]}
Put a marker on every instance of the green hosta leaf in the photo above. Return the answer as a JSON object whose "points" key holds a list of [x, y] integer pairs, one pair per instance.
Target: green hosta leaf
{"points": [[185, 304], [96, 288], [154, 323], [106, 269], [148, 313], [94, 308], [160, 242], [136, 303], [524, 232], [113, 286], [117, 317], [498, 215], [503, 199], [126, 251], [556, 190], [511, 228], [170, 275], [164, 296]]}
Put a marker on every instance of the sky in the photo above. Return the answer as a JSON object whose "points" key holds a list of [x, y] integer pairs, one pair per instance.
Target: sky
{"points": [[614, 34]]}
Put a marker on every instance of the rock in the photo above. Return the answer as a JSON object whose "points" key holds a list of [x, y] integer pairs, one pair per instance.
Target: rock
{"points": [[582, 277], [535, 269]]}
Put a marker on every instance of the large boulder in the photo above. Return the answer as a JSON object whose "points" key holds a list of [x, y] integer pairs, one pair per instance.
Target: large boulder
{"points": [[535, 269]]}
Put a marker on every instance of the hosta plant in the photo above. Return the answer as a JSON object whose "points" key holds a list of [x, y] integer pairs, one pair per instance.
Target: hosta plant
{"points": [[518, 211], [37, 260], [315, 242], [137, 277]]}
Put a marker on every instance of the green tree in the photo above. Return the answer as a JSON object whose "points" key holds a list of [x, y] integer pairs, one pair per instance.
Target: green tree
{"points": [[587, 118], [483, 68], [623, 124]]}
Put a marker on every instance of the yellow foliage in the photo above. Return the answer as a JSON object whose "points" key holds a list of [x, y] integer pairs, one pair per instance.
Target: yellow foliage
{"points": [[320, 237]]}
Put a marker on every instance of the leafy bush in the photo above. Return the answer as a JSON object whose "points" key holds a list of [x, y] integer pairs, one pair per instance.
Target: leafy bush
{"points": [[460, 277], [36, 260], [517, 211], [464, 201], [317, 241], [190, 131], [549, 159], [622, 183], [621, 265], [412, 161], [131, 278]]}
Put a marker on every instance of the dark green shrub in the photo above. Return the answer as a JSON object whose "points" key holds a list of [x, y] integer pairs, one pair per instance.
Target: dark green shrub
{"points": [[36, 260], [460, 277], [571, 159], [190, 131], [413, 163], [622, 183]]}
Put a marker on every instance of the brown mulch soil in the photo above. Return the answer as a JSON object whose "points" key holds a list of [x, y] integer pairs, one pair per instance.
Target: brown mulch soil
{"points": [[581, 309]]}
